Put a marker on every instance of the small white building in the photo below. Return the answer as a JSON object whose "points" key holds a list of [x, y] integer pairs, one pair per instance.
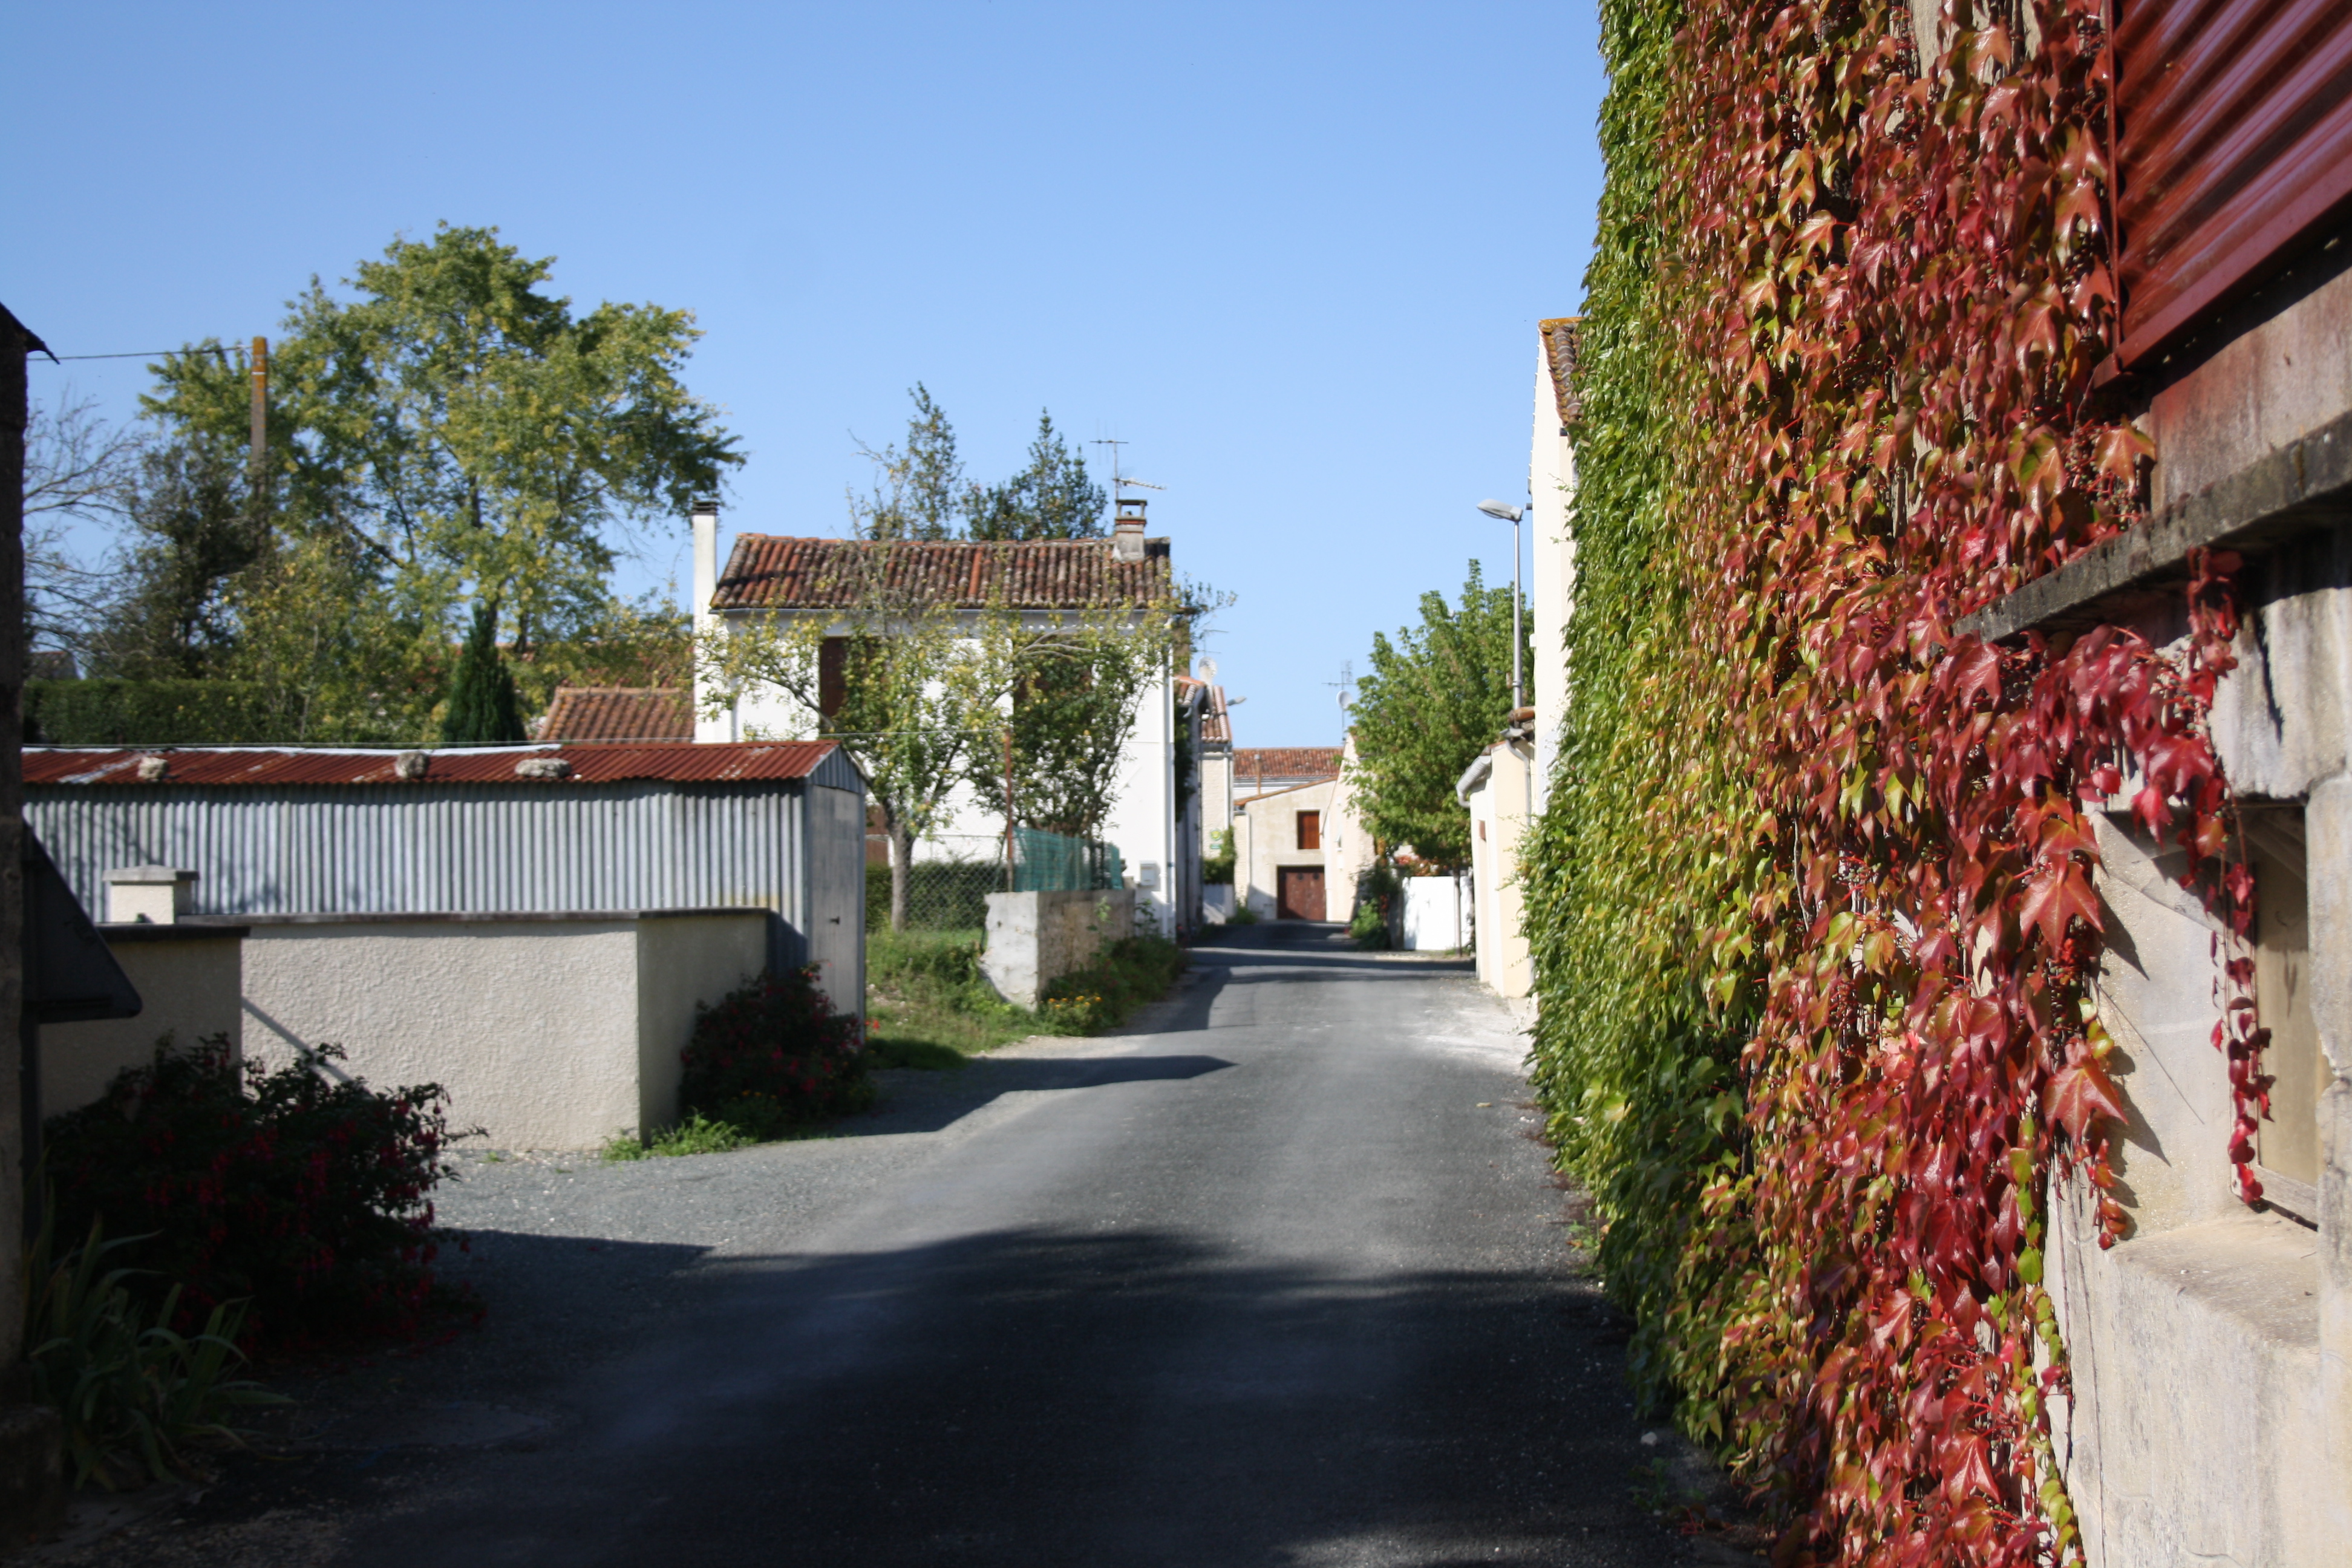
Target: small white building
{"points": [[1299, 850]]}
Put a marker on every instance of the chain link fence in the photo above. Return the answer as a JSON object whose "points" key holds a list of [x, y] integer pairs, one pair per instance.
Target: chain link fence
{"points": [[948, 883]]}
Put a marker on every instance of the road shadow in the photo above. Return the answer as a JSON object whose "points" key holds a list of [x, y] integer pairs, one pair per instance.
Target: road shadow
{"points": [[1303, 950], [921, 1101], [1042, 1396]]}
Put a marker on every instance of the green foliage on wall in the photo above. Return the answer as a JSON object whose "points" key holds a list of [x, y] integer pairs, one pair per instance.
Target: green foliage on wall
{"points": [[1810, 903]]}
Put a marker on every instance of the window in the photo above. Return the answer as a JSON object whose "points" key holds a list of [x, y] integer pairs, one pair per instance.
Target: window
{"points": [[831, 676], [1310, 830]]}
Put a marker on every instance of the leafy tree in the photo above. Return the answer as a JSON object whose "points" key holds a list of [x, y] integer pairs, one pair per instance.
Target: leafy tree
{"points": [[192, 529], [920, 490], [460, 435], [1051, 498], [483, 705], [1435, 698], [1073, 711]]}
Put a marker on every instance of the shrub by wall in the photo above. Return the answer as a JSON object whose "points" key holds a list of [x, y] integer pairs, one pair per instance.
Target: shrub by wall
{"points": [[1812, 901], [309, 1196], [773, 1056]]}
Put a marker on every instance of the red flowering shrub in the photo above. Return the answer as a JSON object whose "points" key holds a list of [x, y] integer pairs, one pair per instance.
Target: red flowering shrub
{"points": [[773, 1056], [308, 1194]]}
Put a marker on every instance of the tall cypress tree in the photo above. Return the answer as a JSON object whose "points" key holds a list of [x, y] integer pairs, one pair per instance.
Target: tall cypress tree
{"points": [[483, 704]]}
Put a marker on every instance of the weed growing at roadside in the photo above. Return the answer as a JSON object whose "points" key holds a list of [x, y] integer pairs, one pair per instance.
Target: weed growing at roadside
{"points": [[698, 1134]]}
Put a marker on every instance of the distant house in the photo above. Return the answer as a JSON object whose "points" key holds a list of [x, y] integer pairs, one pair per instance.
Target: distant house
{"points": [[638, 714], [775, 576], [1299, 849]]}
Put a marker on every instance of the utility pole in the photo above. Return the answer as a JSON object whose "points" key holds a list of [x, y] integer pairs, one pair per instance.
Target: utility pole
{"points": [[260, 459]]}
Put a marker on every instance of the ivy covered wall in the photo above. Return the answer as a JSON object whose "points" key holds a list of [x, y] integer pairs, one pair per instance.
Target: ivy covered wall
{"points": [[1813, 899]]}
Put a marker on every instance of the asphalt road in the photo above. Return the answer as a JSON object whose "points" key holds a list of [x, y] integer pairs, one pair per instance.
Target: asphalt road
{"points": [[1281, 1280]]}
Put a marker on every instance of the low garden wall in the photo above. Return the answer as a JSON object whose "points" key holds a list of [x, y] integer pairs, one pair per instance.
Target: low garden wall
{"points": [[1036, 937], [550, 1031]]}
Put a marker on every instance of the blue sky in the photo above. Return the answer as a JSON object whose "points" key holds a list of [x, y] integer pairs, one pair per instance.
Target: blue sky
{"points": [[1294, 255]]}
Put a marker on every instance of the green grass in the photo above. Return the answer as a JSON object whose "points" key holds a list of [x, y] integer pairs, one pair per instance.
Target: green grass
{"points": [[930, 1008], [696, 1135]]}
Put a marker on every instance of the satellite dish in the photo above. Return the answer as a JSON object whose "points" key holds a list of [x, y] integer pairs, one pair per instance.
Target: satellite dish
{"points": [[1208, 671]]}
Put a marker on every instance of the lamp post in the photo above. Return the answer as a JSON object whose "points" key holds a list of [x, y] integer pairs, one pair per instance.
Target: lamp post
{"points": [[1511, 514]]}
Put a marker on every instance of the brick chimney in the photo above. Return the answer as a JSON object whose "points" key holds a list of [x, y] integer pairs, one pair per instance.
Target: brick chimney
{"points": [[1127, 529]]}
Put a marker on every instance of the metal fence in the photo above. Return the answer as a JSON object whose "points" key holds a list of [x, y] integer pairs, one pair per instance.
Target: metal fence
{"points": [[949, 882]]}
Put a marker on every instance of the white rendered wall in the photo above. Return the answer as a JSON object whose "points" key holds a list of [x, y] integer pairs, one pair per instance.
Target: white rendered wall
{"points": [[548, 1034], [1272, 842], [186, 977], [1551, 586]]}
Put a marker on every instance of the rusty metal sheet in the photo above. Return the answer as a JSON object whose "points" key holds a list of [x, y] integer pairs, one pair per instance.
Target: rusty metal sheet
{"points": [[671, 762], [2233, 147]]}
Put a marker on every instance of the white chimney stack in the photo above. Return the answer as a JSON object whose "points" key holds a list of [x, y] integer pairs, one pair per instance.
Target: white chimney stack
{"points": [[1127, 529], [706, 563]]}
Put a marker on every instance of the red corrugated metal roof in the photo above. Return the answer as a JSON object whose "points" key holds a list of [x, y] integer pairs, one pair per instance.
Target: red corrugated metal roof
{"points": [[2235, 123], [768, 572], [619, 713], [669, 762]]}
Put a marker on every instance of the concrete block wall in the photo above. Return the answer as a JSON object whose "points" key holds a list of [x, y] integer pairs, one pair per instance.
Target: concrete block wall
{"points": [[1035, 939]]}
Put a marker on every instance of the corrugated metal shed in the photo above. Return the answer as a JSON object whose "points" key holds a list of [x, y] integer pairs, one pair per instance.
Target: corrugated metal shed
{"points": [[2234, 141], [660, 827]]}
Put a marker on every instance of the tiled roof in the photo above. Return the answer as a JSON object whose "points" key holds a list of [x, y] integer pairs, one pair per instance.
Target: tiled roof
{"points": [[1561, 341], [731, 761], [768, 572], [1285, 762], [619, 713]]}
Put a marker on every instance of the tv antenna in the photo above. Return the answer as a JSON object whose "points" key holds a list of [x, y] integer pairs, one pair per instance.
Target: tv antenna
{"points": [[1118, 480]]}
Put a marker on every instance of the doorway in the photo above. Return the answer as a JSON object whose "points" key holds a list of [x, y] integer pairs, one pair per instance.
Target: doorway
{"points": [[1298, 893]]}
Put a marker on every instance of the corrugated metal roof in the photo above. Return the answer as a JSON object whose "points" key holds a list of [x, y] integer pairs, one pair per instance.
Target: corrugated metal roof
{"points": [[2234, 131], [717, 762], [769, 571], [619, 713]]}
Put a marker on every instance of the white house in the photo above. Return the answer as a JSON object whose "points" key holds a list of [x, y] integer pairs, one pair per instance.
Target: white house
{"points": [[768, 576]]}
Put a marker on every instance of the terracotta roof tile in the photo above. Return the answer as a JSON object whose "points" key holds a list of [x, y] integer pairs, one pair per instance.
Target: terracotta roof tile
{"points": [[619, 713], [668, 762], [1562, 341], [1287, 763], [770, 572]]}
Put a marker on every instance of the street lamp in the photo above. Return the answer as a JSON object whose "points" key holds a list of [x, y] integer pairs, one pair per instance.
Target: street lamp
{"points": [[1511, 514]]}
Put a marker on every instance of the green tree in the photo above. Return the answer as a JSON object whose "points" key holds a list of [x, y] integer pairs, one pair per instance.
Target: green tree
{"points": [[1051, 498], [1435, 698], [191, 530], [919, 491], [465, 439], [1073, 711], [483, 706]]}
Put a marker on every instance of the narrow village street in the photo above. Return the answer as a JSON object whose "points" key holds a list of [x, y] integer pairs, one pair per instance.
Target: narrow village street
{"points": [[1274, 1277]]}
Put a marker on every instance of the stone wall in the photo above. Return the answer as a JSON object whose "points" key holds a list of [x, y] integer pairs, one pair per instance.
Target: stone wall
{"points": [[1033, 938]]}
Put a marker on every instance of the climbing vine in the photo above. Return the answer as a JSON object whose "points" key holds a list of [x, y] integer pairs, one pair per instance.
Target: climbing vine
{"points": [[1813, 904]]}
